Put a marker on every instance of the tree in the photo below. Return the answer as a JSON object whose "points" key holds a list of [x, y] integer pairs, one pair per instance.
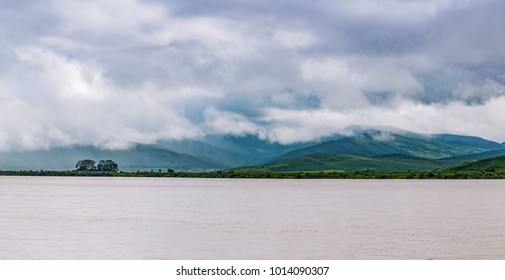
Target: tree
{"points": [[108, 165], [85, 165]]}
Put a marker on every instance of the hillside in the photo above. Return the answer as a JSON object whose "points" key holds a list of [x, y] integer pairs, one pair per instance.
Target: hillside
{"points": [[451, 139], [448, 139], [140, 157], [386, 163], [377, 143], [473, 157], [372, 149], [496, 164], [231, 151], [322, 162]]}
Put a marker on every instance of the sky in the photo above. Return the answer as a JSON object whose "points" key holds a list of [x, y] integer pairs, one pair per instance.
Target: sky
{"points": [[117, 72]]}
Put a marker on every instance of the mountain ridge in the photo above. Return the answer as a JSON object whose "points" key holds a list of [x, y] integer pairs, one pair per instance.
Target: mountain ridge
{"points": [[376, 143], [139, 157], [219, 152]]}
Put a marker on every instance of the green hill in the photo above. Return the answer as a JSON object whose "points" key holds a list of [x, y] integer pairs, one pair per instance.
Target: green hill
{"points": [[325, 162], [473, 157], [496, 164], [377, 143], [448, 139]]}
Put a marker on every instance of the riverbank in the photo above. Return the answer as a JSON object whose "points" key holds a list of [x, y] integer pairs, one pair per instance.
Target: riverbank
{"points": [[269, 175]]}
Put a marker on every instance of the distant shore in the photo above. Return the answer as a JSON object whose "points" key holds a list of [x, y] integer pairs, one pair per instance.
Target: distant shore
{"points": [[267, 175]]}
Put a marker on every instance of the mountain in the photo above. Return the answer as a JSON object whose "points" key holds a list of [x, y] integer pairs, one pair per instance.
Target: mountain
{"points": [[210, 153], [470, 141], [325, 162], [376, 143], [139, 157], [388, 149], [363, 147], [496, 164], [231, 151], [448, 139]]}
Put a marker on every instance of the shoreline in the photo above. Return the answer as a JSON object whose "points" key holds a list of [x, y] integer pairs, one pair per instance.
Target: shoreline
{"points": [[266, 175]]}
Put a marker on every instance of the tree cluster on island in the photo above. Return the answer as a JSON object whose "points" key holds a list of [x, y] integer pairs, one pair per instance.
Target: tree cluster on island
{"points": [[103, 165]]}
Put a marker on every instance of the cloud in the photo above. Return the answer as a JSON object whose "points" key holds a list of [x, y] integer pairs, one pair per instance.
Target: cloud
{"points": [[459, 118], [294, 39], [231, 124], [67, 102], [398, 10], [115, 73], [135, 24], [480, 92]]}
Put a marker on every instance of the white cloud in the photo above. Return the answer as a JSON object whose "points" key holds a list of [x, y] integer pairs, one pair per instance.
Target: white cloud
{"points": [[489, 88], [456, 117], [75, 81], [133, 24], [343, 81], [364, 73], [68, 102], [231, 124]]}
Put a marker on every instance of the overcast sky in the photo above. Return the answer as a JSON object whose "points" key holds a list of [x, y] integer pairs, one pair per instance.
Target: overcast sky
{"points": [[115, 72]]}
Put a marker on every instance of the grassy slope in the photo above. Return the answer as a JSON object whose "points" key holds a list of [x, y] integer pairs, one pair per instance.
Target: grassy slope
{"points": [[370, 145], [473, 157], [386, 163], [491, 164], [322, 162]]}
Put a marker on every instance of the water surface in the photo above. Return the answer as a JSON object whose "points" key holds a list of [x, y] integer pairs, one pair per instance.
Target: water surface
{"points": [[170, 218]]}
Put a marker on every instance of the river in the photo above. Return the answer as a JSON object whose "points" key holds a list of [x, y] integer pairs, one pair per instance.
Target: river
{"points": [[171, 218]]}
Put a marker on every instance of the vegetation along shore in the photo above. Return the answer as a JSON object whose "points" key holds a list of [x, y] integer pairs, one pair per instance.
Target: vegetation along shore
{"points": [[493, 168]]}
